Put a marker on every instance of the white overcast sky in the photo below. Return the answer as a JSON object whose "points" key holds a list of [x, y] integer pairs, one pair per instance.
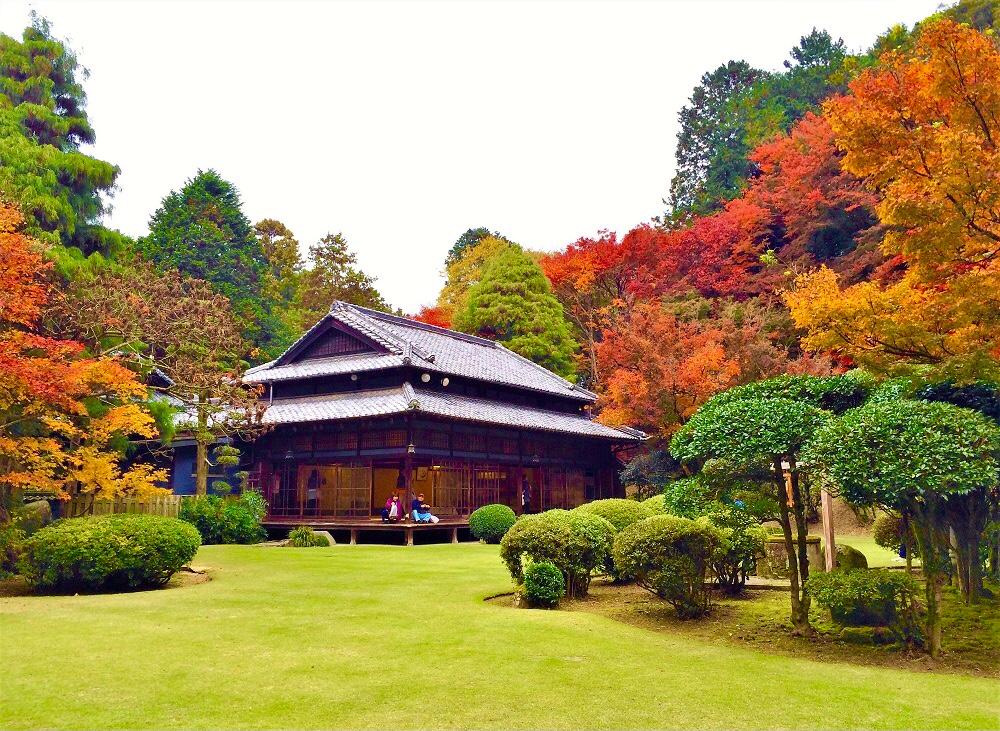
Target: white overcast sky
{"points": [[402, 125]]}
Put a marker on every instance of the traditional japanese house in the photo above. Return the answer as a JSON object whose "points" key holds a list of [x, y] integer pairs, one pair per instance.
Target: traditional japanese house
{"points": [[366, 404]]}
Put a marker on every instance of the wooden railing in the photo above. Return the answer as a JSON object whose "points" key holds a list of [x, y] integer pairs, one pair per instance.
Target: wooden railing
{"points": [[166, 505]]}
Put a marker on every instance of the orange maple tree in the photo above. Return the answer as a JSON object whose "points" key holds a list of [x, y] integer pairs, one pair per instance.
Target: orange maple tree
{"points": [[660, 369], [922, 129], [63, 415]]}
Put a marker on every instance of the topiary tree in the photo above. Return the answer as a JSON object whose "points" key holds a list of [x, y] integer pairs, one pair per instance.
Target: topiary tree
{"points": [[491, 522], [670, 556], [917, 458], [688, 497], [577, 543], [755, 436]]}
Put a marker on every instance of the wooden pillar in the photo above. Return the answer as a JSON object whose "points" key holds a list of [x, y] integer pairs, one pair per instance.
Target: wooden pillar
{"points": [[409, 536], [354, 537], [454, 535], [829, 546]]}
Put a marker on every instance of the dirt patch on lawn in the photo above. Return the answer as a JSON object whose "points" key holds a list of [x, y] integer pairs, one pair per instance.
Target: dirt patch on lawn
{"points": [[186, 576], [759, 621]]}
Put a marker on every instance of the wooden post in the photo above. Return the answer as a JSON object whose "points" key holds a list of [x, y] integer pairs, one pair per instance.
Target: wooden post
{"points": [[354, 536], [409, 536], [829, 546], [454, 535]]}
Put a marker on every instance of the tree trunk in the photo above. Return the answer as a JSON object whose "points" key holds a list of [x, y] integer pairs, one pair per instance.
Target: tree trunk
{"points": [[802, 532], [967, 517], [800, 619], [930, 558], [203, 439], [201, 468]]}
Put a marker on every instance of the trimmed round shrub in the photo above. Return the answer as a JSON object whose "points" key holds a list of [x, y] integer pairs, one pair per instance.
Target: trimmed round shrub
{"points": [[621, 513], [656, 504], [876, 597], [108, 553], [576, 543], [491, 522], [544, 584], [669, 556], [306, 537], [226, 519]]}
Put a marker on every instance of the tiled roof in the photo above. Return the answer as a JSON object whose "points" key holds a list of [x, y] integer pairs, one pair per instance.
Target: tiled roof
{"points": [[384, 402], [424, 346]]}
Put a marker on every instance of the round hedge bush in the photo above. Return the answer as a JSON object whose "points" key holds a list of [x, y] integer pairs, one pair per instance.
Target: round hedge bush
{"points": [[670, 556], [544, 584], [657, 504], [108, 553], [576, 543], [621, 513], [491, 522]]}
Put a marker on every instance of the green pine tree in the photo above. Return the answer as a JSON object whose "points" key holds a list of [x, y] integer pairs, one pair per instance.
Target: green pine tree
{"points": [[201, 230], [513, 303], [43, 121]]}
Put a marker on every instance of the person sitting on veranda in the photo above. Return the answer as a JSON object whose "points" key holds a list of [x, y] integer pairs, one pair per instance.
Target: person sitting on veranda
{"points": [[420, 512], [393, 510]]}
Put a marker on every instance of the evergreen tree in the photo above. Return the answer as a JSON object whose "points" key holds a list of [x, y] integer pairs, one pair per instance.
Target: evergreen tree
{"points": [[43, 121], [513, 303], [711, 148], [466, 241], [333, 275], [201, 231]]}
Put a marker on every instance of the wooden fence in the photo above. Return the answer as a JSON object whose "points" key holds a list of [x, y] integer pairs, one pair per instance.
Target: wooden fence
{"points": [[167, 505]]}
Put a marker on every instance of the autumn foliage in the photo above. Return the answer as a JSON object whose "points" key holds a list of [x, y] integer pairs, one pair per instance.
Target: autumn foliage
{"points": [[922, 130], [63, 415]]}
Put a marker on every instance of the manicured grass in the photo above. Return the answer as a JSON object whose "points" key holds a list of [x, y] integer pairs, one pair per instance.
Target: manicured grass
{"points": [[385, 637], [876, 555]]}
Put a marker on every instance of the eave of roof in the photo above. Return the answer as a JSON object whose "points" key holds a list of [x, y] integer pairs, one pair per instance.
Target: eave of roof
{"points": [[391, 401]]}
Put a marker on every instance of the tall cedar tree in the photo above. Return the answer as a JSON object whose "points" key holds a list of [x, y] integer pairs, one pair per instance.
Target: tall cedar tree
{"points": [[463, 273], [513, 303], [202, 232], [43, 122], [333, 275], [711, 154], [65, 417]]}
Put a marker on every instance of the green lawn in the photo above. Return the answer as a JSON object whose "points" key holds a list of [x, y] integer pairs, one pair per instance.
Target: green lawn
{"points": [[383, 637], [876, 555]]}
